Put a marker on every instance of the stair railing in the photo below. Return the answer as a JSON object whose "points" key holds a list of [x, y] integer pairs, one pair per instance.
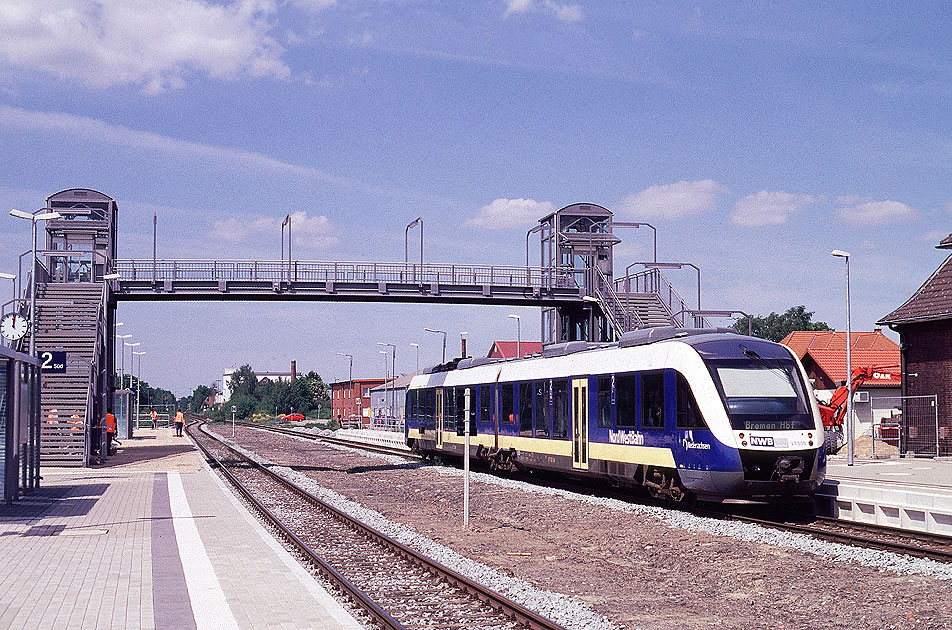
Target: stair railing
{"points": [[653, 281], [611, 305], [96, 365]]}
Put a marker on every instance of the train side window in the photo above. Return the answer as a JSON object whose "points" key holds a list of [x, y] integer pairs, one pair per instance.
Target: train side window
{"points": [[652, 400], [525, 409], [689, 416], [412, 406], [449, 406], [560, 410], [542, 398], [604, 402], [506, 402], [484, 400], [430, 407], [625, 409]]}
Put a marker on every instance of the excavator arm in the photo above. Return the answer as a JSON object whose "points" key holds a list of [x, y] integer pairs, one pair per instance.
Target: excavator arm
{"points": [[832, 414]]}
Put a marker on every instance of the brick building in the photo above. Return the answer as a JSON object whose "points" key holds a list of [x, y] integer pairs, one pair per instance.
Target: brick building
{"points": [[350, 400], [924, 324]]}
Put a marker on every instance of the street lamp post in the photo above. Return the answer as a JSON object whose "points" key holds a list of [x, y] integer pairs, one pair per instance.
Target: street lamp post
{"points": [[406, 242], [442, 332], [393, 376], [518, 335], [417, 346], [532, 231], [350, 393], [138, 384], [287, 222], [130, 345], [849, 365], [122, 357], [43, 214]]}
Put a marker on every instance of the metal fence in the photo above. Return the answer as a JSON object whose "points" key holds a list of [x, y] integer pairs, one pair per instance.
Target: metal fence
{"points": [[19, 424], [910, 423]]}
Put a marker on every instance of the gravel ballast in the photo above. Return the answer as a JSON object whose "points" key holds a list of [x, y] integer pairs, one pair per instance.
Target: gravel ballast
{"points": [[635, 566]]}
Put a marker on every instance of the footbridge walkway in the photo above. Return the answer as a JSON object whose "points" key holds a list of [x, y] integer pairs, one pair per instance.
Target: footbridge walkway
{"points": [[342, 281]]}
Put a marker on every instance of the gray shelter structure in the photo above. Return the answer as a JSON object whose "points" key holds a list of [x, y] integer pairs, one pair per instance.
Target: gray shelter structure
{"points": [[19, 424]]}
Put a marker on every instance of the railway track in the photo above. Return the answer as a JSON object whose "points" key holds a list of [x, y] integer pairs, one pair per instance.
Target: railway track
{"points": [[395, 585], [870, 536]]}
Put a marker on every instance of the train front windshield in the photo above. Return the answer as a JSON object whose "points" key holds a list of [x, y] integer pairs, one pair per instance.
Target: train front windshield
{"points": [[762, 394]]}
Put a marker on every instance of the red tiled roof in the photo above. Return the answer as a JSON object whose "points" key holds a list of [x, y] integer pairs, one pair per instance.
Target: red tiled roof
{"points": [[932, 301], [827, 348], [507, 349], [801, 341], [833, 363]]}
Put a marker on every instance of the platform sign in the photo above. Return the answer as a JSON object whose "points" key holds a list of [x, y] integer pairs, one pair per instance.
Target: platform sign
{"points": [[54, 361]]}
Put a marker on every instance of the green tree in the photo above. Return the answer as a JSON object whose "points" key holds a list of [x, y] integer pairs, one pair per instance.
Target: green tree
{"points": [[244, 381], [777, 326], [197, 400]]}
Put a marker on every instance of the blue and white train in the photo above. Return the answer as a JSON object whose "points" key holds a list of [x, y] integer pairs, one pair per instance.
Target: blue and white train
{"points": [[685, 413]]}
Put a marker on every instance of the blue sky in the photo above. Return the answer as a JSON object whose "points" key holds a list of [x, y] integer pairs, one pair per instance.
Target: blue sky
{"points": [[756, 138]]}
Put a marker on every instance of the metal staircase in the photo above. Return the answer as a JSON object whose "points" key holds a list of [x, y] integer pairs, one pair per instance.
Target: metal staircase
{"points": [[71, 318]]}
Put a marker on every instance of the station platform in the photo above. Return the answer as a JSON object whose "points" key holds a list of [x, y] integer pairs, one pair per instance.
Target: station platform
{"points": [[912, 493], [151, 539], [391, 439]]}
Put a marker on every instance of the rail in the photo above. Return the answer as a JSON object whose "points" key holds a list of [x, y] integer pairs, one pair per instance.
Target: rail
{"points": [[507, 607], [341, 271]]}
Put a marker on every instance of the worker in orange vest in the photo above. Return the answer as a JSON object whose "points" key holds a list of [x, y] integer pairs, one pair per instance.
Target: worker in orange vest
{"points": [[155, 417], [110, 430], [179, 423]]}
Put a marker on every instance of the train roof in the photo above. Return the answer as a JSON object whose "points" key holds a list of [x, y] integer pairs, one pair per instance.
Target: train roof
{"points": [[640, 337]]}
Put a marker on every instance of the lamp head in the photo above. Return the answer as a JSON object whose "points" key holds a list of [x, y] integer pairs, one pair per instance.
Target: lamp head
{"points": [[45, 216], [20, 214], [7, 276], [414, 345], [111, 276], [839, 253], [511, 316]]}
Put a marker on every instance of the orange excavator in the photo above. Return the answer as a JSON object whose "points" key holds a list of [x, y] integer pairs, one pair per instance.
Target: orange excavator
{"points": [[832, 414]]}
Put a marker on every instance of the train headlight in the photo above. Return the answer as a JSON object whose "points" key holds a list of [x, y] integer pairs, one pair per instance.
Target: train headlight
{"points": [[740, 435], [744, 443]]}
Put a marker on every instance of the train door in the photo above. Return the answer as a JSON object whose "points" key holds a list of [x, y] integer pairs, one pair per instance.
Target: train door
{"points": [[580, 423], [439, 418]]}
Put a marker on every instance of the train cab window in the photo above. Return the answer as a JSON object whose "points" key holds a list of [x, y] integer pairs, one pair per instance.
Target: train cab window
{"points": [[506, 410], [543, 396], [412, 405], [625, 409], [560, 410], [604, 402], [652, 400], [484, 401], [525, 409], [689, 416]]}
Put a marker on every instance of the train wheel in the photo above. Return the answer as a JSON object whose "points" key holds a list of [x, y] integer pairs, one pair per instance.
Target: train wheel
{"points": [[665, 485]]}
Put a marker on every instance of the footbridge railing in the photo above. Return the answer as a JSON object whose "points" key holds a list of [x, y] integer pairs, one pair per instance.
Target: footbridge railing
{"points": [[327, 278]]}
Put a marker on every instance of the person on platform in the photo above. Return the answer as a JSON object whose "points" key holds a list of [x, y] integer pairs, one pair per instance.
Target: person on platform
{"points": [[154, 417], [179, 423], [110, 430]]}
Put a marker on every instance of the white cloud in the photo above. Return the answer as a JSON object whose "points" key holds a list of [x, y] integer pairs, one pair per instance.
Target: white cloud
{"points": [[671, 201], [155, 45], [313, 5], [875, 212], [934, 236], [564, 12], [558, 10], [768, 208], [505, 213], [97, 131], [517, 6], [314, 232]]}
